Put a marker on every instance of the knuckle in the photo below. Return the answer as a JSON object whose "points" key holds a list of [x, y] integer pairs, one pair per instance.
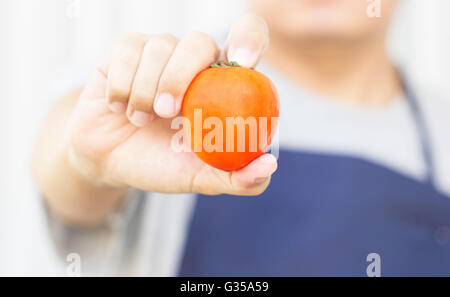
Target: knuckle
{"points": [[131, 36], [163, 44], [201, 40], [172, 80], [141, 101], [127, 54], [118, 93], [167, 37], [129, 47], [198, 36]]}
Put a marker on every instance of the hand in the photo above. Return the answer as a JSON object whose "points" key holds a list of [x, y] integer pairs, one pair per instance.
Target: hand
{"points": [[119, 133]]}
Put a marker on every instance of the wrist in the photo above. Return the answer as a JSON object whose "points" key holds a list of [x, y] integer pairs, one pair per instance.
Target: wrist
{"points": [[90, 171]]}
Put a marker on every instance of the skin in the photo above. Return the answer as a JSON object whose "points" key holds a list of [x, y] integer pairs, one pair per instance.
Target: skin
{"points": [[99, 143], [332, 47]]}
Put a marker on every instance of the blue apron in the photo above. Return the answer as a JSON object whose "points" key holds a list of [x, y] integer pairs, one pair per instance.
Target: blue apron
{"points": [[322, 215]]}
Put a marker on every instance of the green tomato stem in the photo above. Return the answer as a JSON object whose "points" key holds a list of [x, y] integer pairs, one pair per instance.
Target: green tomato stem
{"points": [[223, 63]]}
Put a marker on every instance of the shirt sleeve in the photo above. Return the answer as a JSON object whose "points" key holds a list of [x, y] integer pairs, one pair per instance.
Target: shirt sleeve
{"points": [[104, 249]]}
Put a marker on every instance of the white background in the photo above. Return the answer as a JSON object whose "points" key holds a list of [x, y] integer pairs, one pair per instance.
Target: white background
{"points": [[39, 37]]}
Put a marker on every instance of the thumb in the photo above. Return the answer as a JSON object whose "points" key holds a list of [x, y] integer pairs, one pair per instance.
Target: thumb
{"points": [[249, 181], [247, 41]]}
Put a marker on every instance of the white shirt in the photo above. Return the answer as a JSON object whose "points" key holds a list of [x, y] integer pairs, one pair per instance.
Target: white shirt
{"points": [[147, 236]]}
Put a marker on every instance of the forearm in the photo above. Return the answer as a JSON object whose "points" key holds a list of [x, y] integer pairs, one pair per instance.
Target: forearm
{"points": [[68, 193]]}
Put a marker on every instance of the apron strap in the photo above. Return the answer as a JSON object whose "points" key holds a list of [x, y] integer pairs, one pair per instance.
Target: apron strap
{"points": [[421, 128]]}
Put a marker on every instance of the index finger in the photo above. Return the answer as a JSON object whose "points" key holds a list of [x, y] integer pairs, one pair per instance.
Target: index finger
{"points": [[247, 41]]}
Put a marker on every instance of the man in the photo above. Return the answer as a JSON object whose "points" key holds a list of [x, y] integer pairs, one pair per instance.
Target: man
{"points": [[362, 167]]}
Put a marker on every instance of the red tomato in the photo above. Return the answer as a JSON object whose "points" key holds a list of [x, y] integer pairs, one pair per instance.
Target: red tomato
{"points": [[230, 116]]}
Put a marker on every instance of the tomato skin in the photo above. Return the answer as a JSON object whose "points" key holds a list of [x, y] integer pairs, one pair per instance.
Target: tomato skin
{"points": [[231, 92]]}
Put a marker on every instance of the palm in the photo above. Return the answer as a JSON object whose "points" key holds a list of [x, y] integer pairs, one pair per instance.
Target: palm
{"points": [[109, 147], [142, 157]]}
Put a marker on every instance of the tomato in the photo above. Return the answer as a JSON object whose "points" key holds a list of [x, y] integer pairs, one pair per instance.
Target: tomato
{"points": [[230, 115]]}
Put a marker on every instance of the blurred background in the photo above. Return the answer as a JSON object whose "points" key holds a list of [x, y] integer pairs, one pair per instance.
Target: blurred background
{"points": [[40, 40]]}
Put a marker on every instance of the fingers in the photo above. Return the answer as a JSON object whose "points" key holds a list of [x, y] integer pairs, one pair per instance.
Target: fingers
{"points": [[247, 41], [121, 70], [250, 180], [148, 76], [155, 56], [193, 54], [256, 176]]}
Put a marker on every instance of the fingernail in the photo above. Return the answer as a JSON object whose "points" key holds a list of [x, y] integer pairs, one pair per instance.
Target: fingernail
{"points": [[268, 159], [140, 119], [266, 165], [117, 106], [260, 180], [165, 105], [242, 56]]}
